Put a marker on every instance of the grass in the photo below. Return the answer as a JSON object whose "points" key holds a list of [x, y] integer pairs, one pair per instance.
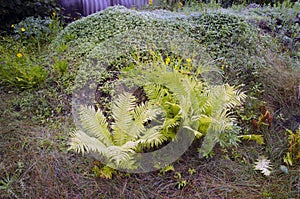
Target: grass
{"points": [[35, 125], [35, 164]]}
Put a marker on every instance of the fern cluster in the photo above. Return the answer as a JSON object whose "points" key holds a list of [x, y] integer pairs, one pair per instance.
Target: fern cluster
{"points": [[178, 97], [128, 134], [187, 99]]}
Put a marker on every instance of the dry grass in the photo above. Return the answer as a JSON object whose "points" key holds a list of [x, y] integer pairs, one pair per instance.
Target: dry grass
{"points": [[36, 164]]}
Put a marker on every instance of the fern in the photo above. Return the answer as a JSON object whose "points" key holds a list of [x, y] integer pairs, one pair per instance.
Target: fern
{"points": [[128, 135], [95, 125], [258, 138], [177, 97], [263, 164], [185, 99], [82, 142], [122, 114]]}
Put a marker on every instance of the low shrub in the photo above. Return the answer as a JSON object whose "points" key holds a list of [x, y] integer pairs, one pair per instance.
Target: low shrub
{"points": [[12, 12], [282, 23], [36, 31]]}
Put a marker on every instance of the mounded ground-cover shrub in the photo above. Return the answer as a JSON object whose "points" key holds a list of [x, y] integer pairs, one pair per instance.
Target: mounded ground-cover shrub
{"points": [[224, 35], [227, 37], [282, 23], [83, 35], [230, 40], [230, 37]]}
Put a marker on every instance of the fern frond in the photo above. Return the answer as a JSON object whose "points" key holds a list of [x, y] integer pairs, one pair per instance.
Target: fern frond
{"points": [[142, 114], [81, 142], [117, 154], [234, 96], [152, 137], [172, 122], [122, 113], [106, 172], [263, 164], [157, 93], [198, 134], [258, 138], [95, 125], [220, 121]]}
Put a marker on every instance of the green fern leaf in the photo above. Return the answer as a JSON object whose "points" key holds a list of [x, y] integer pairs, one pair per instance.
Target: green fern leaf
{"points": [[81, 143], [122, 113], [95, 125], [258, 138], [152, 137]]}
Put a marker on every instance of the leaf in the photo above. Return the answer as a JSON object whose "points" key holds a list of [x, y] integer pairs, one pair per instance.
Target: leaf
{"points": [[258, 138], [104, 172], [122, 113], [167, 169], [263, 164], [81, 142], [288, 159], [284, 169], [95, 125]]}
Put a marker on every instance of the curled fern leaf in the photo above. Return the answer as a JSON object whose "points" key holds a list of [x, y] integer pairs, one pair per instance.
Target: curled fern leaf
{"points": [[263, 164]]}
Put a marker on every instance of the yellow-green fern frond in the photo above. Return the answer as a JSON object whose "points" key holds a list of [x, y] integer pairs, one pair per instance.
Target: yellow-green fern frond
{"points": [[234, 96], [81, 143], [122, 113], [118, 154], [95, 125], [152, 137], [257, 138], [142, 114]]}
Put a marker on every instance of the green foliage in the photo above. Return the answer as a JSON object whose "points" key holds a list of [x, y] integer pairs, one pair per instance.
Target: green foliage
{"points": [[8, 182], [40, 107], [221, 32], [60, 66], [12, 12], [23, 64], [20, 70], [201, 108], [180, 181], [36, 31], [281, 22], [104, 172], [128, 132], [257, 138], [228, 3], [167, 169], [293, 154], [85, 34]]}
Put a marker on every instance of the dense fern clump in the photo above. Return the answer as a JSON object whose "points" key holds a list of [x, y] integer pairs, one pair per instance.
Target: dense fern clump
{"points": [[176, 95], [128, 134], [188, 100]]}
